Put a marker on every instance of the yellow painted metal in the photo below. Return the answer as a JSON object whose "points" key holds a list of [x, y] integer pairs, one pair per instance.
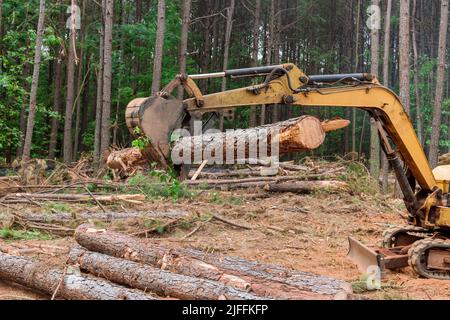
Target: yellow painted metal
{"points": [[443, 217], [442, 176], [367, 96]]}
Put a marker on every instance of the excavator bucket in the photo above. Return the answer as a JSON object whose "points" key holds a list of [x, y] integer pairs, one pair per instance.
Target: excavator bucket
{"points": [[156, 118], [364, 257]]}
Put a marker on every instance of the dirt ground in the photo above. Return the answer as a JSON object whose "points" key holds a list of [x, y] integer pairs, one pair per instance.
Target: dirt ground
{"points": [[305, 232]]}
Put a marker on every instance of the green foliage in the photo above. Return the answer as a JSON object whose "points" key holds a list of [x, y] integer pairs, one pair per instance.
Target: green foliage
{"points": [[358, 179], [142, 141], [12, 234], [56, 207], [160, 184]]}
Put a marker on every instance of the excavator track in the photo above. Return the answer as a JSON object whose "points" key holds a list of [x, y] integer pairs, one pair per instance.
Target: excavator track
{"points": [[404, 236], [418, 258]]}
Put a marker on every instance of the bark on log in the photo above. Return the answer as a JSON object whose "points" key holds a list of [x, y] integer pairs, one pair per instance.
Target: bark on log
{"points": [[444, 159], [303, 187], [162, 282], [37, 276], [127, 160], [262, 279], [27, 197], [298, 134], [101, 216]]}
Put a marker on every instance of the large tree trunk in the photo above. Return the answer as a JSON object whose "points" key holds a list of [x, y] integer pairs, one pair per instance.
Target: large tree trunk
{"points": [[162, 282], [260, 279], [387, 48], [226, 52], [99, 106], [56, 107], [40, 277], [404, 54], [70, 87], [159, 47], [184, 41], [374, 69], [437, 111], [107, 77], [304, 133], [416, 75], [255, 52], [35, 82]]}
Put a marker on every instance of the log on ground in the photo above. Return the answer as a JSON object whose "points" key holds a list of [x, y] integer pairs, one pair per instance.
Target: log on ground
{"points": [[39, 277], [273, 185], [261, 279], [162, 282], [30, 197], [61, 217]]}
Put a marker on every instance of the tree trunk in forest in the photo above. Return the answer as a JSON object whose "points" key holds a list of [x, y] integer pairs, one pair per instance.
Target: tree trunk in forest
{"points": [[226, 51], [184, 40], [374, 69], [40, 277], [304, 133], [357, 37], [255, 51], [23, 111], [416, 74], [70, 86], [107, 77], [80, 87], [35, 82], [404, 54], [99, 106], [159, 46], [162, 282], [260, 279], [386, 53], [57, 99], [437, 111]]}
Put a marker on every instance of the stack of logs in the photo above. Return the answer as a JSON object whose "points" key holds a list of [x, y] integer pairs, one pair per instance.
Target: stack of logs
{"points": [[117, 266]]}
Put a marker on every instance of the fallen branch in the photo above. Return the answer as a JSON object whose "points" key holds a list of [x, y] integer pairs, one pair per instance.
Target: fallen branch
{"points": [[234, 224]]}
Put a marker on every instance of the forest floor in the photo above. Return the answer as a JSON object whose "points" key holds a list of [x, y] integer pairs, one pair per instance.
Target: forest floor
{"points": [[305, 232]]}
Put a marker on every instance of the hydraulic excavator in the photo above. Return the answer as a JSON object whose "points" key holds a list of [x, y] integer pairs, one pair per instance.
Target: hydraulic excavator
{"points": [[424, 243]]}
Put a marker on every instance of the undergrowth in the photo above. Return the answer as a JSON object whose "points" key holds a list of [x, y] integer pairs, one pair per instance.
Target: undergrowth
{"points": [[160, 184], [359, 179], [12, 234]]}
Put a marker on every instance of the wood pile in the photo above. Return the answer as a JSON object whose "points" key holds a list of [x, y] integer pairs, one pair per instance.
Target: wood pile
{"points": [[110, 265]]}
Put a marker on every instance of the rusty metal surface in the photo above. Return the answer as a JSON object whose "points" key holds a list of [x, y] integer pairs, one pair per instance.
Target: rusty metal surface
{"points": [[363, 256], [439, 259]]}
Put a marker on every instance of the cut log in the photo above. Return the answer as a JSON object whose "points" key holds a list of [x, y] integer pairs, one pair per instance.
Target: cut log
{"points": [[30, 197], [127, 160], [38, 276], [145, 277], [444, 159], [261, 279], [280, 185], [101, 216], [334, 124], [303, 133]]}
